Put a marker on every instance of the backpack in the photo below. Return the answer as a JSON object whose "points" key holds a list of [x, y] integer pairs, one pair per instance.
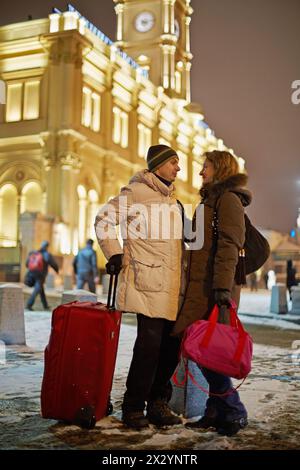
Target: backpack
{"points": [[256, 247], [253, 255], [36, 261]]}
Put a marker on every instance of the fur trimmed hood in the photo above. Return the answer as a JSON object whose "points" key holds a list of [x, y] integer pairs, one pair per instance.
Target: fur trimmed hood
{"points": [[236, 184]]}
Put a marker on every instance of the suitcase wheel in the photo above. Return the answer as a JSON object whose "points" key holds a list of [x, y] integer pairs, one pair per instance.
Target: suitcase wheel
{"points": [[85, 417]]}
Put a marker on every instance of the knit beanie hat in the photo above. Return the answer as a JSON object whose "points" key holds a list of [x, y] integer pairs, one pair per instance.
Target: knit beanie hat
{"points": [[158, 155]]}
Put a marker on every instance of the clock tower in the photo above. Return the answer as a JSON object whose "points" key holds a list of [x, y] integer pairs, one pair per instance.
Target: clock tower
{"points": [[155, 33]]}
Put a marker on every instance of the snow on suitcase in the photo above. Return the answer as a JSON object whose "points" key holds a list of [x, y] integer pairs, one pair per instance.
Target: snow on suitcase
{"points": [[80, 361]]}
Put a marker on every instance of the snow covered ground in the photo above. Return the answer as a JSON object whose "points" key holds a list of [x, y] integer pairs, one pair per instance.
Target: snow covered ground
{"points": [[255, 309], [271, 394]]}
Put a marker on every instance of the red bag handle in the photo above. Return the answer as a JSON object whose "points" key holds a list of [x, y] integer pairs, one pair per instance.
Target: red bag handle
{"points": [[187, 374], [234, 322]]}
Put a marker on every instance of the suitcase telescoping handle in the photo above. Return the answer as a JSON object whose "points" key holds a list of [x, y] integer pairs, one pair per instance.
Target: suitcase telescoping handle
{"points": [[113, 282]]}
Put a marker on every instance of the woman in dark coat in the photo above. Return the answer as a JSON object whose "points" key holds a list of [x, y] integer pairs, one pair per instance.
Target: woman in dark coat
{"points": [[211, 278]]}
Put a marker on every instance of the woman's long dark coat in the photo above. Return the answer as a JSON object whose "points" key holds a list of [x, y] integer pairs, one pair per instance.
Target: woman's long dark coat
{"points": [[213, 266]]}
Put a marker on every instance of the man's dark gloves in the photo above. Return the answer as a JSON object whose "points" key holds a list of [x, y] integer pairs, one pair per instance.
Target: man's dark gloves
{"points": [[114, 264], [222, 297]]}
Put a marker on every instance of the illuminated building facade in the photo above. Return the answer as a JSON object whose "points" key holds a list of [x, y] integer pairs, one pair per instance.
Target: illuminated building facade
{"points": [[81, 112]]}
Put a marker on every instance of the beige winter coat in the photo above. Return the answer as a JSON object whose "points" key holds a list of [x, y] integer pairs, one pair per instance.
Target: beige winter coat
{"points": [[150, 280]]}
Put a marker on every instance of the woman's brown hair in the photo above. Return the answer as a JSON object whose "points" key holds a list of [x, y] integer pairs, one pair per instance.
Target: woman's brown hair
{"points": [[225, 165]]}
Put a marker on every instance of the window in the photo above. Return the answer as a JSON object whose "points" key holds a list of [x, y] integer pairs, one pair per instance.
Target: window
{"points": [[14, 102], [2, 92], [91, 109], [82, 214], [8, 215], [23, 100], [95, 112], [92, 212], [120, 127], [178, 81], [144, 140], [183, 163], [32, 198], [31, 99]]}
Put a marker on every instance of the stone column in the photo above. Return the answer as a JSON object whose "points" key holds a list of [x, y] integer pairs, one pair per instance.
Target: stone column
{"points": [[119, 9], [66, 50]]}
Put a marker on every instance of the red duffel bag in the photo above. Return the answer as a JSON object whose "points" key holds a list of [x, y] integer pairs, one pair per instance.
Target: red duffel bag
{"points": [[226, 349]]}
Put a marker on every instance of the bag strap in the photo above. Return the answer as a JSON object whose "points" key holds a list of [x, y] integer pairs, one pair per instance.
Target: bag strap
{"points": [[240, 269], [234, 322], [187, 374]]}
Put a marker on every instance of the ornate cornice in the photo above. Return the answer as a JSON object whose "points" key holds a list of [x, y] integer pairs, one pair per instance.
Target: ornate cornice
{"points": [[70, 161], [66, 46]]}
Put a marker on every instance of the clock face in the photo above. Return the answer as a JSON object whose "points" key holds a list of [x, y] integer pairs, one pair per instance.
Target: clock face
{"points": [[177, 28], [144, 21]]}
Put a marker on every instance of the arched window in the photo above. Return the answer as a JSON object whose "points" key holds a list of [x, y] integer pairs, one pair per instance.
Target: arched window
{"points": [[144, 139], [82, 215], [8, 215], [92, 211], [32, 198]]}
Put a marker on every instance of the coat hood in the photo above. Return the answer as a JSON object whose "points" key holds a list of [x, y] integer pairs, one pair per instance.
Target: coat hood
{"points": [[149, 178], [235, 184]]}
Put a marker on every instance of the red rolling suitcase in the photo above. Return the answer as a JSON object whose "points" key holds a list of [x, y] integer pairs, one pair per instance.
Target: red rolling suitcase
{"points": [[80, 361]]}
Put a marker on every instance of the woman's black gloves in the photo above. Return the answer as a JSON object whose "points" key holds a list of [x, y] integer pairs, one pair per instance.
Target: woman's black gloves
{"points": [[222, 297]]}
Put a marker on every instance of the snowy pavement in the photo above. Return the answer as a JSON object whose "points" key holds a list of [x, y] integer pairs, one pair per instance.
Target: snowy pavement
{"points": [[255, 309], [271, 394]]}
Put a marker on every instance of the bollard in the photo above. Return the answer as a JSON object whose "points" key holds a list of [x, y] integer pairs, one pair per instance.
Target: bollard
{"points": [[189, 401], [278, 299], [78, 294], [295, 300], [12, 324]]}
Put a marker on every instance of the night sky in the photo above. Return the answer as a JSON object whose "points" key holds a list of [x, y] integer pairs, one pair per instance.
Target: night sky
{"points": [[246, 56]]}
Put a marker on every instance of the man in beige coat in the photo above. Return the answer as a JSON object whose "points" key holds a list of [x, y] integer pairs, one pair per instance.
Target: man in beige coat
{"points": [[149, 283]]}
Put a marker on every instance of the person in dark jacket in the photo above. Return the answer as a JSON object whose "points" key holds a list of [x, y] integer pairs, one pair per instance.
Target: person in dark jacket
{"points": [[212, 273], [290, 277], [85, 267], [40, 275]]}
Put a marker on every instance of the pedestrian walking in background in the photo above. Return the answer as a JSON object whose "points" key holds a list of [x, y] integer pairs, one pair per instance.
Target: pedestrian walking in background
{"points": [[253, 281], [265, 277], [211, 277], [290, 277], [85, 267], [37, 263]]}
